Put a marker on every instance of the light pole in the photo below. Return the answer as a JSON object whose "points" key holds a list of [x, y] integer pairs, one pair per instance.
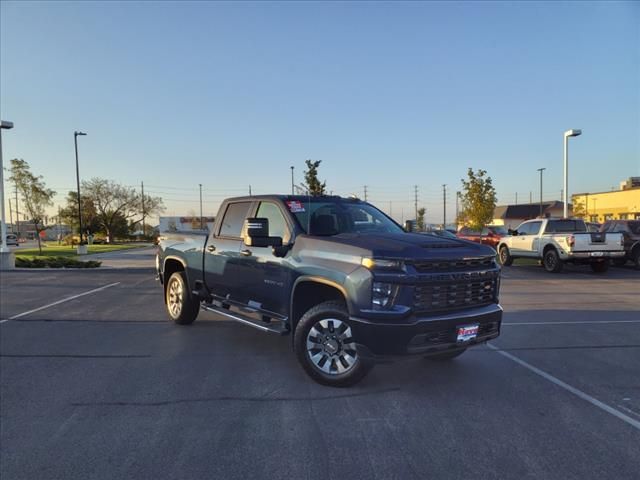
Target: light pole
{"points": [[201, 225], [565, 193], [75, 141], [292, 180], [6, 257], [541, 170]]}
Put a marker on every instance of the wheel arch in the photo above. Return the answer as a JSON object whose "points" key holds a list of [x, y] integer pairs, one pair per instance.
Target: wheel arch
{"points": [[171, 265], [310, 291]]}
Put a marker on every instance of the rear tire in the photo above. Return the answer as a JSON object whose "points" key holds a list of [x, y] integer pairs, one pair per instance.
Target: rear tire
{"points": [[551, 261], [635, 256], [600, 267], [325, 347], [505, 256], [182, 307], [445, 356]]}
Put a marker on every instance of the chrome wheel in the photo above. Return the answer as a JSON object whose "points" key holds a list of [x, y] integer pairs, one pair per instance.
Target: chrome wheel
{"points": [[330, 346], [174, 297]]}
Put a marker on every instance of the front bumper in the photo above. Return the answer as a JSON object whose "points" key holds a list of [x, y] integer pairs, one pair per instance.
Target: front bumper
{"points": [[423, 335]]}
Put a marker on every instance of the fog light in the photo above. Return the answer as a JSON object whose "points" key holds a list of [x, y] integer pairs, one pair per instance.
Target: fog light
{"points": [[382, 295]]}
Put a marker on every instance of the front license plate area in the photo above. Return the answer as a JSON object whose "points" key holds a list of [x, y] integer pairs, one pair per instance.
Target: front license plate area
{"points": [[467, 332]]}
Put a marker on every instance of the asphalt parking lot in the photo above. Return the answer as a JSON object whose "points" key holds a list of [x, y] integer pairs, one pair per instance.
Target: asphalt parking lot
{"points": [[99, 385]]}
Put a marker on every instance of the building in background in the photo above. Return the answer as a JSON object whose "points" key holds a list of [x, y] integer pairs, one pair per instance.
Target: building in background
{"points": [[184, 224], [622, 204], [513, 215]]}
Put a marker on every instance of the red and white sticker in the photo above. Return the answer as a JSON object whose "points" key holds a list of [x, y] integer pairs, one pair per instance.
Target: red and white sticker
{"points": [[295, 206], [467, 332]]}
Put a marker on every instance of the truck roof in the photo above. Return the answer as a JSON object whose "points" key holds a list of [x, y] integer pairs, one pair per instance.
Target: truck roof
{"points": [[301, 198]]}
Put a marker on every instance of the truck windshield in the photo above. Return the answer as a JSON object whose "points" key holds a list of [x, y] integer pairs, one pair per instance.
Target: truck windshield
{"points": [[326, 216]]}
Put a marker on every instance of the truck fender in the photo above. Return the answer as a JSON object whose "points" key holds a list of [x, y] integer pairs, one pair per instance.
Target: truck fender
{"points": [[309, 279]]}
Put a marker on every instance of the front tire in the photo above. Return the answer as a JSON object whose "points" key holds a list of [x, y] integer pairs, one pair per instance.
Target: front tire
{"points": [[324, 346], [505, 256], [551, 261], [182, 307]]}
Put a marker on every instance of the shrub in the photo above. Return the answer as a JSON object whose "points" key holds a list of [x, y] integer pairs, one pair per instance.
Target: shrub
{"points": [[55, 262]]}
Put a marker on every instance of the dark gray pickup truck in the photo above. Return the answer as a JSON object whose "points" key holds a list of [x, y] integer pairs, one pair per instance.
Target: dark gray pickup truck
{"points": [[346, 281]]}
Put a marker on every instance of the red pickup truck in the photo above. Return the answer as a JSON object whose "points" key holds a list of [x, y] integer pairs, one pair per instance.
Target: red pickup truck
{"points": [[489, 235]]}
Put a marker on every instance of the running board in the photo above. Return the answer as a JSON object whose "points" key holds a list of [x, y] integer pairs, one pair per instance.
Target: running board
{"points": [[265, 327]]}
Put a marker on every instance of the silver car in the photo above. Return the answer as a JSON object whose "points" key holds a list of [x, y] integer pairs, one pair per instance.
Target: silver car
{"points": [[12, 240]]}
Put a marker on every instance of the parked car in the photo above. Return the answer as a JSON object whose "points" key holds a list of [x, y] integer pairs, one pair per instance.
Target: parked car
{"points": [[630, 230], [12, 240], [489, 235], [343, 279], [557, 241]]}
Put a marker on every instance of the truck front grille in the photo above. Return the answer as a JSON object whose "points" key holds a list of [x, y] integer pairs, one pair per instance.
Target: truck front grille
{"points": [[454, 265], [440, 297]]}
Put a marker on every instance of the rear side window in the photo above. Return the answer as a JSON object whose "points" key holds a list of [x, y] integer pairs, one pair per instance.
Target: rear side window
{"points": [[233, 220], [565, 226]]}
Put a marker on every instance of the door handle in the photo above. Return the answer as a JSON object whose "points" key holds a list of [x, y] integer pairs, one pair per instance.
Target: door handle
{"points": [[245, 252], [211, 248]]}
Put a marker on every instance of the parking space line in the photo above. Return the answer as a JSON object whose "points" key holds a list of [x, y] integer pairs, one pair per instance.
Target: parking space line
{"points": [[578, 393], [73, 297], [571, 323]]}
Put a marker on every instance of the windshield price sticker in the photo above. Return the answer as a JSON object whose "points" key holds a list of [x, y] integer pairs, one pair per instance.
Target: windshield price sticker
{"points": [[468, 332], [295, 206]]}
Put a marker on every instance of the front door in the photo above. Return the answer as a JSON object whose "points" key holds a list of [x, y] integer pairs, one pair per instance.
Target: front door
{"points": [[269, 278]]}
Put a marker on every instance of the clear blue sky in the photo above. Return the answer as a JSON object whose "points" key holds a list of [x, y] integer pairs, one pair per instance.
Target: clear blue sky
{"points": [[386, 94]]}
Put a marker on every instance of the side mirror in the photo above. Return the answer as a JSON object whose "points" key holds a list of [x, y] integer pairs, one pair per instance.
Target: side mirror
{"points": [[257, 233], [513, 232]]}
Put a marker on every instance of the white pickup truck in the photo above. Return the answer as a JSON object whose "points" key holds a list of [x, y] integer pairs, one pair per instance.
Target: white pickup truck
{"points": [[557, 241]]}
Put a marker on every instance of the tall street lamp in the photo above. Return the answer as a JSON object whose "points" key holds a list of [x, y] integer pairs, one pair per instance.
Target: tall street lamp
{"points": [[565, 193], [541, 170], [292, 180], [75, 141], [6, 257]]}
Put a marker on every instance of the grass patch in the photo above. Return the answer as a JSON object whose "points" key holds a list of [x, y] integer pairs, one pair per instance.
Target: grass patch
{"points": [[54, 262], [55, 250]]}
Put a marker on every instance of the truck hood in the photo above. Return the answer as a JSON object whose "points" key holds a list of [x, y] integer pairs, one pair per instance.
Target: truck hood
{"points": [[407, 246]]}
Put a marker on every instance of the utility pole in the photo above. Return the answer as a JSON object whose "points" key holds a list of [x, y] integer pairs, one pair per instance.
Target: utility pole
{"points": [[201, 224], [144, 230], [249, 190], [17, 214], [415, 201], [530, 196], [59, 227], [457, 208], [541, 170], [516, 198], [292, 179], [75, 142], [10, 213], [365, 193], [444, 206]]}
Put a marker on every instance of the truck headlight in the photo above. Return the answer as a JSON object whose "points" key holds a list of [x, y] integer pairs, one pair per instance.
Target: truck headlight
{"points": [[379, 263], [382, 295]]}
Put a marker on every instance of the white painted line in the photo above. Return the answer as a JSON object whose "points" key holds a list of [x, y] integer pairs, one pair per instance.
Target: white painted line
{"points": [[571, 323], [578, 393], [73, 297]]}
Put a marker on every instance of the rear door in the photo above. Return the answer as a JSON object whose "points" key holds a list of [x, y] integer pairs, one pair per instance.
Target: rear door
{"points": [[222, 258], [519, 241]]}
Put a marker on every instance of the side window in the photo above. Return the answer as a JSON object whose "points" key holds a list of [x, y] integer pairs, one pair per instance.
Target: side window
{"points": [[485, 232], [233, 219], [277, 222], [534, 228], [523, 229]]}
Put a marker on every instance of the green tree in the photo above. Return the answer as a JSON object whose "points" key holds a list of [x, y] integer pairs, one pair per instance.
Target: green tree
{"points": [[578, 209], [478, 199], [69, 214], [420, 220], [36, 197], [117, 204], [315, 187]]}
